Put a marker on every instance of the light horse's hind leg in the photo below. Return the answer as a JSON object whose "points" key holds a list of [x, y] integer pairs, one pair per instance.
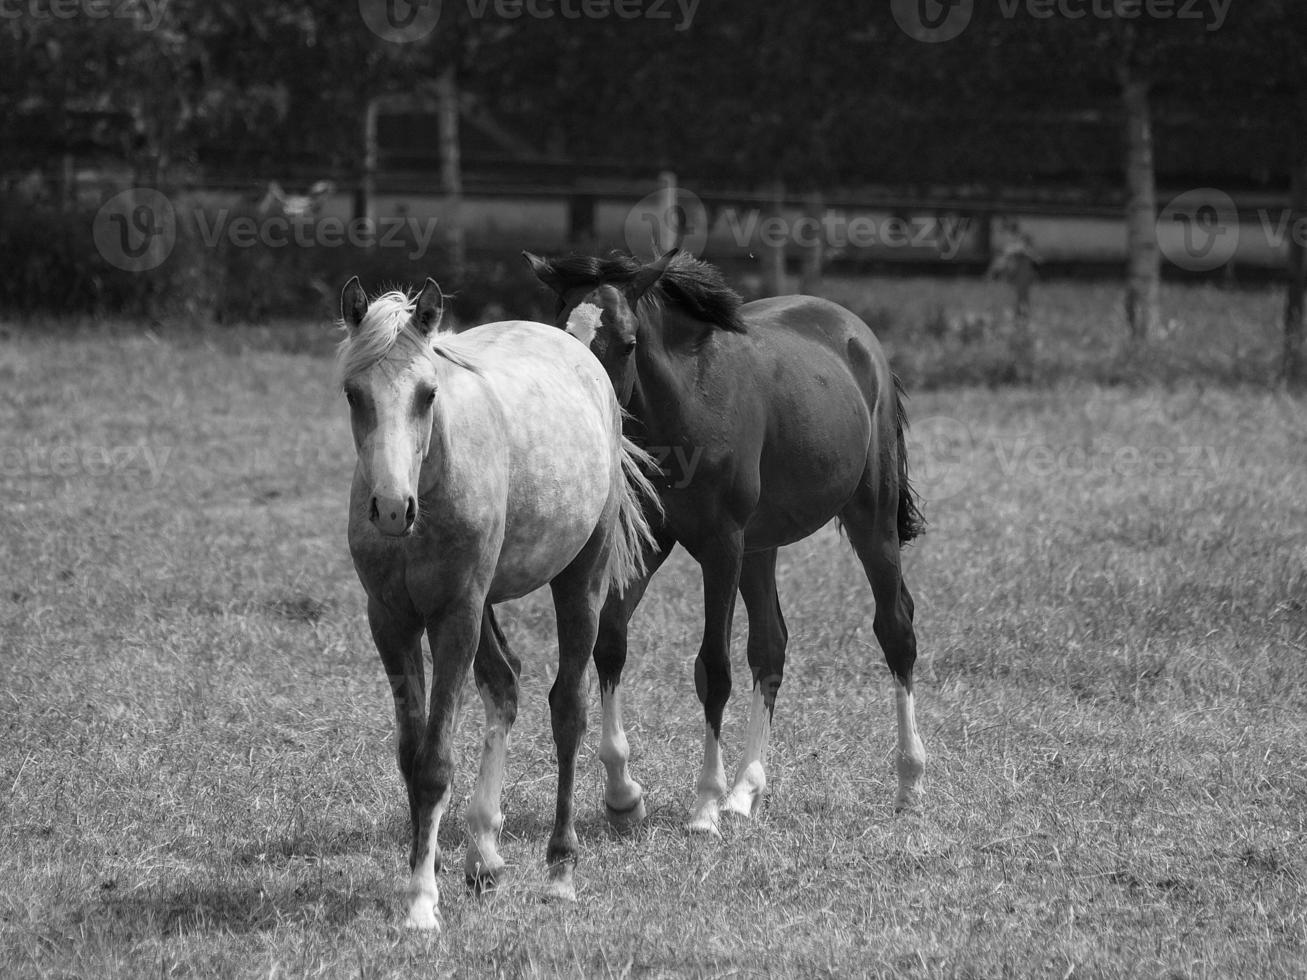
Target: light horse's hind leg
{"points": [[870, 520], [578, 594], [623, 796], [767, 639], [496, 669]]}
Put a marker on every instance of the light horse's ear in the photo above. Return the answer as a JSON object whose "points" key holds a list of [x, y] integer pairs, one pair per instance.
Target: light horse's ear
{"points": [[353, 304], [644, 280], [428, 310]]}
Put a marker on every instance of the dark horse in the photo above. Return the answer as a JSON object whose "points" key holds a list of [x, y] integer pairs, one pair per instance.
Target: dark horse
{"points": [[770, 418]]}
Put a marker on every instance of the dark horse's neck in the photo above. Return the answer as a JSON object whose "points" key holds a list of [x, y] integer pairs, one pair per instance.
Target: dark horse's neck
{"points": [[663, 394]]}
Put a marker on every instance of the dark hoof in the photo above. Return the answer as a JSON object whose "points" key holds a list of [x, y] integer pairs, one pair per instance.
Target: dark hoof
{"points": [[629, 819], [480, 878]]}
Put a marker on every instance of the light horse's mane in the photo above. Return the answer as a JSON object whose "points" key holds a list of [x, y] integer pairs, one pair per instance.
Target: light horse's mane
{"points": [[688, 285], [388, 320]]}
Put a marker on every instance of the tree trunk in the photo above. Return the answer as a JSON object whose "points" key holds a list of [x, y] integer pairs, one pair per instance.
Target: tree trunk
{"points": [[1295, 368], [365, 199], [814, 245], [773, 245], [1143, 264], [451, 169]]}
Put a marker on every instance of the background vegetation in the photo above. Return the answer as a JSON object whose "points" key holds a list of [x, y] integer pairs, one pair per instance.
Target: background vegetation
{"points": [[198, 755]]}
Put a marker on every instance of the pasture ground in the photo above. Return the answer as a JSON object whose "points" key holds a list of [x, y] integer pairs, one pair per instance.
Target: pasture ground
{"points": [[197, 774]]}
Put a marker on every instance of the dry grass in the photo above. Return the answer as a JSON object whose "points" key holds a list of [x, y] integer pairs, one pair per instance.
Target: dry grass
{"points": [[197, 773]]}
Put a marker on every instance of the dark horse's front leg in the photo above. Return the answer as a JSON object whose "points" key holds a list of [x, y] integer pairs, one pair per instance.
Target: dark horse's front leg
{"points": [[720, 561], [453, 642], [623, 796]]}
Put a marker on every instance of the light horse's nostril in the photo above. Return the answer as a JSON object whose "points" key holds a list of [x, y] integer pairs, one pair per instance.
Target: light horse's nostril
{"points": [[392, 517]]}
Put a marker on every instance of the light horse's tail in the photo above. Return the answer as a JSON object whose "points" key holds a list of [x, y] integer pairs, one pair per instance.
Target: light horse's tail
{"points": [[626, 561]]}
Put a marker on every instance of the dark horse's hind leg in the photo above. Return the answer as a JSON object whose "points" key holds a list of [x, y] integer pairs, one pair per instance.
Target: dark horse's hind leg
{"points": [[873, 531], [623, 796], [496, 669], [767, 639]]}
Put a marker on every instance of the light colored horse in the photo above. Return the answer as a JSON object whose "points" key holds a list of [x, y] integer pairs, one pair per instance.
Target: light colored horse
{"points": [[490, 463]]}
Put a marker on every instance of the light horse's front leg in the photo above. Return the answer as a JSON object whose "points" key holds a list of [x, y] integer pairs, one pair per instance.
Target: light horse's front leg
{"points": [[453, 636], [398, 638]]}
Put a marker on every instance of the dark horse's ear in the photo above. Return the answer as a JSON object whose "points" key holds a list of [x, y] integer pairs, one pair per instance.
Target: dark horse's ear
{"points": [[430, 306], [353, 304], [644, 280], [542, 270]]}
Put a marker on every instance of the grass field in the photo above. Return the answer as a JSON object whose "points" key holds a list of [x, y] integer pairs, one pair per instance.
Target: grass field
{"points": [[197, 774]]}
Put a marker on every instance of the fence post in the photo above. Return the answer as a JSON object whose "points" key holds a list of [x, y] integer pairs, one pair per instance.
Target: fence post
{"points": [[773, 229], [814, 243]]}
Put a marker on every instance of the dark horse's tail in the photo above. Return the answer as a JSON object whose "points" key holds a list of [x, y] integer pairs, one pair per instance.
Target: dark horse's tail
{"points": [[911, 523]]}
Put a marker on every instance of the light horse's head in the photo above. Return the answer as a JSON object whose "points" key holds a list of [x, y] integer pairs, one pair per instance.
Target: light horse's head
{"points": [[388, 371], [598, 303]]}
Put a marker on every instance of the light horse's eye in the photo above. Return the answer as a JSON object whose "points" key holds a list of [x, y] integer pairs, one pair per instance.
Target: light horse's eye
{"points": [[351, 398]]}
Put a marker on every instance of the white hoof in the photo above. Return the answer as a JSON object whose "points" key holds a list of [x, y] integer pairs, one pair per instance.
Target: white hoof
{"points": [[704, 821], [423, 915], [746, 795], [742, 803], [561, 887]]}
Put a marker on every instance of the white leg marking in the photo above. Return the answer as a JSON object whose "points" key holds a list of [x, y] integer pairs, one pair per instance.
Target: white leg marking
{"points": [[751, 778], [623, 795], [910, 759], [712, 785], [423, 896], [484, 816]]}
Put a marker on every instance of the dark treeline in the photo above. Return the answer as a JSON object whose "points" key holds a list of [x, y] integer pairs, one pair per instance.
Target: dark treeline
{"points": [[743, 94]]}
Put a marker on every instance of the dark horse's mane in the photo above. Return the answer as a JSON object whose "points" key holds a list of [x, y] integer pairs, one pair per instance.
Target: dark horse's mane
{"points": [[688, 285]]}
